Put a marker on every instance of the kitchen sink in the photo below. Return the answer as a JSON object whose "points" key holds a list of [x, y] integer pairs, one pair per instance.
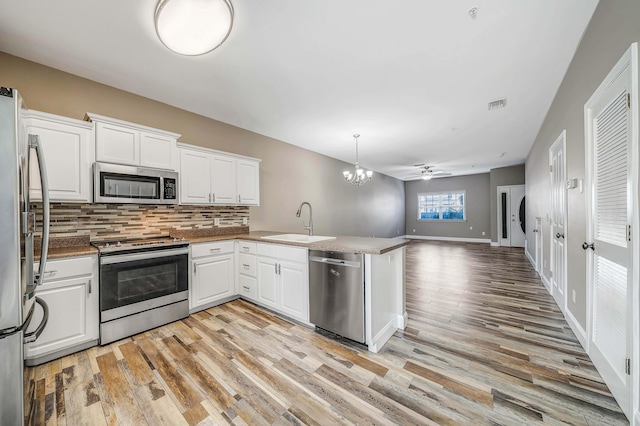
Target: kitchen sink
{"points": [[298, 238]]}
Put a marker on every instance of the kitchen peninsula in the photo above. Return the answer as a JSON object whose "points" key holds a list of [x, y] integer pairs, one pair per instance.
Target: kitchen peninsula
{"points": [[228, 263]]}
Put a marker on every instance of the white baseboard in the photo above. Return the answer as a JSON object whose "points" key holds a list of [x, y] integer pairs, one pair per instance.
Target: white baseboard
{"points": [[381, 338], [580, 332], [463, 240], [495, 244], [531, 260], [546, 282], [636, 418], [403, 320]]}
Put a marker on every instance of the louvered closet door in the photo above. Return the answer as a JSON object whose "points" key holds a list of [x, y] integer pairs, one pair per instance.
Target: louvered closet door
{"points": [[611, 257]]}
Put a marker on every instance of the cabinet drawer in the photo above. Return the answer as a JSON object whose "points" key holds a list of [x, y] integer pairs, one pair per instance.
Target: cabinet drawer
{"points": [[247, 264], [67, 268], [211, 249], [246, 247], [247, 287]]}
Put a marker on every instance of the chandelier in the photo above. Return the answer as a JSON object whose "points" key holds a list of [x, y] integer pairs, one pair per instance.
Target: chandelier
{"points": [[359, 176]]}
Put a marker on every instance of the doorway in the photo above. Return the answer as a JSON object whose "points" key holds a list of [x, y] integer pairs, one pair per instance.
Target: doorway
{"points": [[558, 255], [511, 216]]}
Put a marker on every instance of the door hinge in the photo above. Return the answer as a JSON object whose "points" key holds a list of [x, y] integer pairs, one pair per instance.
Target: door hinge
{"points": [[629, 100], [628, 232], [628, 366]]}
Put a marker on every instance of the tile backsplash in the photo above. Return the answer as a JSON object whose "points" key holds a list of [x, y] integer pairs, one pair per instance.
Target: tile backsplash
{"points": [[103, 221]]}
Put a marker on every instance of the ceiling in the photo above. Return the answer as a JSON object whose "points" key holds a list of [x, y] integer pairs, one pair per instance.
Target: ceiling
{"points": [[412, 77]]}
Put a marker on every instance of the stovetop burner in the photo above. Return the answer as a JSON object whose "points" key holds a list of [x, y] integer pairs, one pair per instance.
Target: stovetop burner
{"points": [[109, 246]]}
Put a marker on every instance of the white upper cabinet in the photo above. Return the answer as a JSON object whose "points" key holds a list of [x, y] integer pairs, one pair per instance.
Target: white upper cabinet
{"points": [[223, 179], [211, 177], [68, 147], [195, 177], [122, 142], [248, 182]]}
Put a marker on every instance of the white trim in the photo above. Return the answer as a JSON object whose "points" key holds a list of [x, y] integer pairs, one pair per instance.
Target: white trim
{"points": [[89, 116], [531, 259], [382, 337], [463, 240], [561, 139], [547, 284], [580, 332], [495, 244], [31, 113], [182, 145], [464, 206], [403, 320]]}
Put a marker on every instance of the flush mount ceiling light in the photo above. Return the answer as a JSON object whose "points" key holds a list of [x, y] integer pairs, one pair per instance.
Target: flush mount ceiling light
{"points": [[193, 27], [359, 176]]}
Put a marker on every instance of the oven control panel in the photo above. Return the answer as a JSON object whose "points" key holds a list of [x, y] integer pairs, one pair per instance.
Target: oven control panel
{"points": [[170, 189]]}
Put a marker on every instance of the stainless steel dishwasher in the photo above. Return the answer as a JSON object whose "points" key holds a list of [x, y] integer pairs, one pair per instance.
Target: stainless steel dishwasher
{"points": [[336, 293]]}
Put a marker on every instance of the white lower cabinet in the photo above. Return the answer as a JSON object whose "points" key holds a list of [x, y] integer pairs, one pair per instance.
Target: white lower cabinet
{"points": [[283, 280], [212, 274], [247, 275], [70, 290]]}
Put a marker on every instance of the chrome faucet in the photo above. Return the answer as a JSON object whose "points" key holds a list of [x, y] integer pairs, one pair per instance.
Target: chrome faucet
{"points": [[310, 227]]}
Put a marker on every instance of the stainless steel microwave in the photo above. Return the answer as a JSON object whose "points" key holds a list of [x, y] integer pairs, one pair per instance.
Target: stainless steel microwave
{"points": [[114, 183]]}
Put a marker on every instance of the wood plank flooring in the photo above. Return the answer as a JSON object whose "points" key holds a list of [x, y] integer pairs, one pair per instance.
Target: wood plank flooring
{"points": [[485, 344]]}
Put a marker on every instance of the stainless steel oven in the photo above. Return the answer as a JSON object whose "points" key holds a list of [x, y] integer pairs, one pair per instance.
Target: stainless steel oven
{"points": [[143, 284]]}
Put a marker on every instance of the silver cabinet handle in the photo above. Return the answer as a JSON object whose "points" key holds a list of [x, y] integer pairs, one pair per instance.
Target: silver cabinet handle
{"points": [[213, 196], [239, 199], [215, 249], [275, 266], [245, 248], [194, 268], [246, 288], [279, 269], [89, 286], [246, 266]]}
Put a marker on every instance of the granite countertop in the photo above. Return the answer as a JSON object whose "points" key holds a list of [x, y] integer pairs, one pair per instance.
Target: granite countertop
{"points": [[340, 243], [79, 246]]}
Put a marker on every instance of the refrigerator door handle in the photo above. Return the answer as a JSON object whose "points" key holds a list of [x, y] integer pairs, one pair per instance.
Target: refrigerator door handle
{"points": [[33, 336], [34, 142]]}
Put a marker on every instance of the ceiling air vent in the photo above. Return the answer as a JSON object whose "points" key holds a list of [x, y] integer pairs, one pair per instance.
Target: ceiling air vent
{"points": [[497, 104]]}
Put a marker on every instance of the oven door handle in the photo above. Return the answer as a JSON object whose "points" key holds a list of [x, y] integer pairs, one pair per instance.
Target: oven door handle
{"points": [[121, 258]]}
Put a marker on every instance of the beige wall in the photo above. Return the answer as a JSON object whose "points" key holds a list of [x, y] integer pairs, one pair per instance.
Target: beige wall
{"points": [[613, 27], [513, 175], [477, 207], [288, 174]]}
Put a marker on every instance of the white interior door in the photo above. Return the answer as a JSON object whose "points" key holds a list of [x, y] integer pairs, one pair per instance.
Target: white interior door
{"points": [[511, 219], [610, 213], [517, 215], [557, 167]]}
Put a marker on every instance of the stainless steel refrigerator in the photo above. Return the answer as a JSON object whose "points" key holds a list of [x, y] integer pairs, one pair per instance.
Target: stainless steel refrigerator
{"points": [[18, 279]]}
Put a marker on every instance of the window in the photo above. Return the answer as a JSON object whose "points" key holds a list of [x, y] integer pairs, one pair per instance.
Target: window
{"points": [[441, 206]]}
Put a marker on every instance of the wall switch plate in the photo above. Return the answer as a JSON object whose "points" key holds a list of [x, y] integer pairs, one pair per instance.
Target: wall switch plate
{"points": [[483, 233], [216, 221], [245, 220], [471, 228], [414, 230]]}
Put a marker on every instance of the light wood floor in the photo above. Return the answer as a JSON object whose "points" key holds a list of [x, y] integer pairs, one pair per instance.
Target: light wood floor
{"points": [[485, 345]]}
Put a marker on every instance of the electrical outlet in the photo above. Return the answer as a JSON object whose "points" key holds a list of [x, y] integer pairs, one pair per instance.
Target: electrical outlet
{"points": [[216, 221], [483, 233], [573, 296], [471, 228], [245, 220], [414, 230]]}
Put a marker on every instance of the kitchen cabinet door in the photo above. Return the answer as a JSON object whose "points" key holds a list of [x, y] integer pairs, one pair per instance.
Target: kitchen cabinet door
{"points": [[248, 182], [68, 283], [158, 151], [294, 287], [195, 177], [117, 144], [213, 279], [69, 152], [268, 283], [223, 180]]}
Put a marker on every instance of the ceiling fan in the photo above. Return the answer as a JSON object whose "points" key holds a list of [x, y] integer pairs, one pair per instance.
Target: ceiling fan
{"points": [[427, 172]]}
